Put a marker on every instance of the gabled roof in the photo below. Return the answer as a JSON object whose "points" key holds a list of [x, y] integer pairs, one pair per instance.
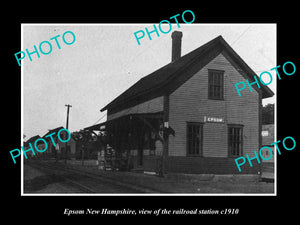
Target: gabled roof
{"points": [[53, 130], [31, 140], [169, 77]]}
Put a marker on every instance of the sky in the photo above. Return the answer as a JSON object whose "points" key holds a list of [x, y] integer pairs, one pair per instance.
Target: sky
{"points": [[105, 60]]}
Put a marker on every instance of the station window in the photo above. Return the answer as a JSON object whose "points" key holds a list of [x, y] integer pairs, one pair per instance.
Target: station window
{"points": [[194, 138], [235, 140], [216, 84]]}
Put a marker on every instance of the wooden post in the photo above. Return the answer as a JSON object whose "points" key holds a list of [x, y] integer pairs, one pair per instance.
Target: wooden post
{"points": [[165, 141], [129, 145], [260, 169], [82, 155]]}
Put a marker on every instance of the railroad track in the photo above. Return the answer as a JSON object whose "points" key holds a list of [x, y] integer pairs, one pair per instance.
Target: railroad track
{"points": [[52, 170], [84, 180]]}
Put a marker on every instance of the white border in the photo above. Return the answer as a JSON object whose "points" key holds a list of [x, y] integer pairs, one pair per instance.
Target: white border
{"points": [[110, 194]]}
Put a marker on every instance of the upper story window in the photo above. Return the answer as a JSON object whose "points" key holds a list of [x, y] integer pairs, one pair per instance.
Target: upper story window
{"points": [[216, 84]]}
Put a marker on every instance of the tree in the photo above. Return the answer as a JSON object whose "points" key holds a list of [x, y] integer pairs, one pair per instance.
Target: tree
{"points": [[268, 114], [89, 142], [82, 139]]}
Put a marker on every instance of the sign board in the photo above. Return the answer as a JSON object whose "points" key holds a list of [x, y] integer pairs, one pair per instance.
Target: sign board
{"points": [[265, 133], [211, 119]]}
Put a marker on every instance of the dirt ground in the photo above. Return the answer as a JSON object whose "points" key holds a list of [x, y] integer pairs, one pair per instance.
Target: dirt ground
{"points": [[36, 181], [188, 183]]}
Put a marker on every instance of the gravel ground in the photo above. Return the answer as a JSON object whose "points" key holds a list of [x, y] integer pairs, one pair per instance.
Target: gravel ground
{"points": [[51, 183], [36, 181], [31, 173], [171, 183], [58, 188], [186, 183]]}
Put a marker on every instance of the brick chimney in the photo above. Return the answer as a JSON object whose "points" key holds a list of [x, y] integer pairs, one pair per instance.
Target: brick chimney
{"points": [[176, 45]]}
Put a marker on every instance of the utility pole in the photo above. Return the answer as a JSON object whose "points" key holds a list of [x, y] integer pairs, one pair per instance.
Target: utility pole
{"points": [[67, 126]]}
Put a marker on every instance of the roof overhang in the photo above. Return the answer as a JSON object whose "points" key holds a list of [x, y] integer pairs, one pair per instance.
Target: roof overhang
{"points": [[102, 126]]}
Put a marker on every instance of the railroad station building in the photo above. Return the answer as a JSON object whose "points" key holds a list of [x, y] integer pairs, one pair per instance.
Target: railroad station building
{"points": [[187, 116]]}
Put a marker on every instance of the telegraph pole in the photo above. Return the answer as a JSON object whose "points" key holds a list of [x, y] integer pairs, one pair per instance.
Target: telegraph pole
{"points": [[67, 126]]}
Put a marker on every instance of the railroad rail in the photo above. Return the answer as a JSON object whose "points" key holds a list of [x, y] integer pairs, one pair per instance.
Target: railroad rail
{"points": [[52, 170], [87, 181]]}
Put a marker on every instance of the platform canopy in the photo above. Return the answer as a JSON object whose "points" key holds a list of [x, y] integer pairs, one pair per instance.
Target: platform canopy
{"points": [[102, 126]]}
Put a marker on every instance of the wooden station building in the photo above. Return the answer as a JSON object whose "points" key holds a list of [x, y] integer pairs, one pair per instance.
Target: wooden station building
{"points": [[187, 116]]}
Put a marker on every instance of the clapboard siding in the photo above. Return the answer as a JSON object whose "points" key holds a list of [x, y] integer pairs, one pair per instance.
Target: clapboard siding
{"points": [[151, 106], [190, 103], [195, 165], [207, 165], [215, 135]]}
